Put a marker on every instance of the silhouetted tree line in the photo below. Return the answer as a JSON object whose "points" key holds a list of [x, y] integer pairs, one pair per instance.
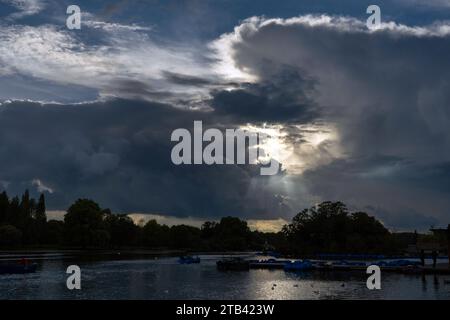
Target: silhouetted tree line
{"points": [[22, 220], [330, 228], [326, 228], [87, 225]]}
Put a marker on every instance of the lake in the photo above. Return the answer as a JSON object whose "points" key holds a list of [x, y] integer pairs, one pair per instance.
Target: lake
{"points": [[128, 277]]}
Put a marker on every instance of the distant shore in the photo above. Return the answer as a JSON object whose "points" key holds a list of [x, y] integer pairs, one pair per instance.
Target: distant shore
{"points": [[29, 252], [125, 251]]}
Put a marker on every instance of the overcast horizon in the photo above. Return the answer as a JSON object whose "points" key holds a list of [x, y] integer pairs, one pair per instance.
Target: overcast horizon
{"points": [[354, 115]]}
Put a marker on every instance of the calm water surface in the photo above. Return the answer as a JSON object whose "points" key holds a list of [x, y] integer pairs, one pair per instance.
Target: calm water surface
{"points": [[164, 278]]}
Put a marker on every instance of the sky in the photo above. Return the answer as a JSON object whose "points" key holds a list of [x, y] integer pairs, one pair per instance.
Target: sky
{"points": [[354, 115]]}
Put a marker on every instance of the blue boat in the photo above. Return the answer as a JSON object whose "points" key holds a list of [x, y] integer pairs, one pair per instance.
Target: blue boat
{"points": [[398, 263], [17, 268], [304, 265], [349, 263], [188, 260]]}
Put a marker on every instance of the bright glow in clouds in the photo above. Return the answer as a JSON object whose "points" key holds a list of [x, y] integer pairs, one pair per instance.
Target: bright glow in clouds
{"points": [[128, 56], [319, 145], [272, 146], [225, 65]]}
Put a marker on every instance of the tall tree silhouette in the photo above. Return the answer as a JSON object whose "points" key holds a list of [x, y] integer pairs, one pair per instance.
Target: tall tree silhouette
{"points": [[13, 215], [4, 205], [40, 214]]}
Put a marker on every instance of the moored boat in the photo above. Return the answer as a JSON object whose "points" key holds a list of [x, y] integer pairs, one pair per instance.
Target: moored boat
{"points": [[301, 265]]}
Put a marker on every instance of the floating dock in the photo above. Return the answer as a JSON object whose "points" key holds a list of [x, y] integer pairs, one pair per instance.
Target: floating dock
{"points": [[273, 264], [267, 264]]}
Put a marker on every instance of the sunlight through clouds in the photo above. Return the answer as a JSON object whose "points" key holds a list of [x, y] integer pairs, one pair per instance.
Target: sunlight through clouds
{"points": [[317, 145]]}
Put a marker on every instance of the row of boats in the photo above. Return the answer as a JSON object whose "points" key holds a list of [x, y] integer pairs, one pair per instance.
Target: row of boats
{"points": [[240, 264], [307, 265]]}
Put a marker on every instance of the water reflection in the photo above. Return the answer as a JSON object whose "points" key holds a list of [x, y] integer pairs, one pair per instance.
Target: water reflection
{"points": [[166, 279]]}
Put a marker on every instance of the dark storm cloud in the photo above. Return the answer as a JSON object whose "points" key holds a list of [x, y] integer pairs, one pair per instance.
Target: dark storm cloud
{"points": [[136, 89], [386, 93], [405, 195], [194, 81], [282, 98], [404, 220], [186, 80], [383, 98], [118, 153]]}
